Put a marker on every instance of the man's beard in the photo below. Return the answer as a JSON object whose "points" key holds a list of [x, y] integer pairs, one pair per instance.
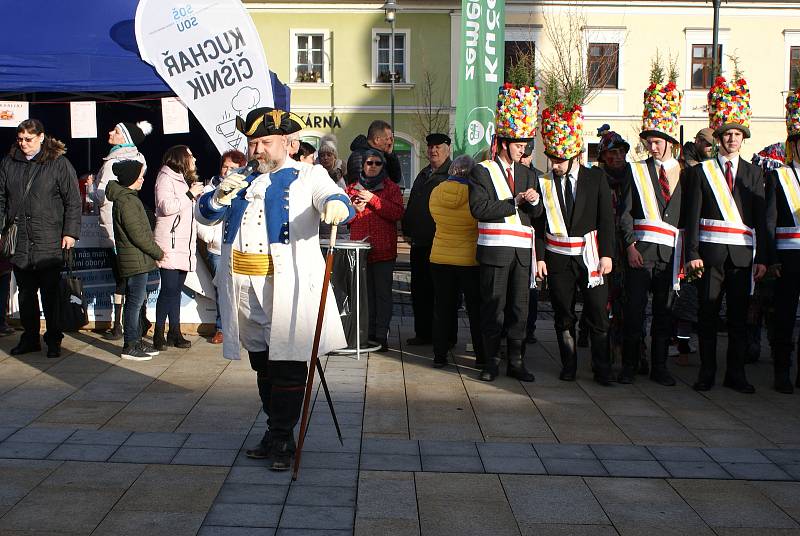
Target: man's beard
{"points": [[265, 163]]}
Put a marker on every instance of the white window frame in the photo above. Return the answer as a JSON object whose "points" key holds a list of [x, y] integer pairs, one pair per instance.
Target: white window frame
{"points": [[326, 69], [607, 35], [416, 156], [704, 36], [408, 83], [791, 38]]}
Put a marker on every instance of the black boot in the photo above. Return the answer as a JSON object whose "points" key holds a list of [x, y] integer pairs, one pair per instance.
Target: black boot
{"points": [[601, 362], [261, 451], [569, 355], [490, 370], [159, 342], [707, 347], [26, 345], [630, 361], [175, 338], [516, 365], [144, 323], [782, 363], [115, 333], [286, 406], [659, 372]]}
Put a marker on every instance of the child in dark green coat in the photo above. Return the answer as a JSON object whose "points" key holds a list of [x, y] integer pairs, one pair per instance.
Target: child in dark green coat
{"points": [[137, 252]]}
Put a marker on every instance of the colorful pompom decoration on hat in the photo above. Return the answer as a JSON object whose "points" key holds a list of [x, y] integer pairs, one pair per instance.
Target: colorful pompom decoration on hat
{"points": [[517, 108], [562, 131], [729, 106], [793, 114], [662, 110]]}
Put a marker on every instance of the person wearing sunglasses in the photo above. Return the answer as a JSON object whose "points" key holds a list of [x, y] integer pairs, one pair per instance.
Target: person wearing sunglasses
{"points": [[379, 206]]}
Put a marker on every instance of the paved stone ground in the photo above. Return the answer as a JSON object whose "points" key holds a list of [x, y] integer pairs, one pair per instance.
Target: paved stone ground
{"points": [[91, 444]]}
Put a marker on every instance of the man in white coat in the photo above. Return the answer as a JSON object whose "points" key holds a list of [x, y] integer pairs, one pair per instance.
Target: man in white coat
{"points": [[271, 271]]}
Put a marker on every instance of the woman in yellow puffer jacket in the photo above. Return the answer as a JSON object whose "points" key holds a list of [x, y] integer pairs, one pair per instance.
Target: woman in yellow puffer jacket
{"points": [[453, 265]]}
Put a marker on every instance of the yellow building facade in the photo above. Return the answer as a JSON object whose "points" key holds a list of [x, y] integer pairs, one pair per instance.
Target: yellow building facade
{"points": [[335, 56]]}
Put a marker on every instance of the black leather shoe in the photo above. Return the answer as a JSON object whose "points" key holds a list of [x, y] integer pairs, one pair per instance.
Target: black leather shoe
{"points": [[53, 350], [177, 340], [159, 342], [663, 377], [567, 375], [488, 375], [281, 455], [516, 369], [702, 385], [740, 387], [602, 380], [626, 376], [418, 341], [260, 451], [26, 348], [440, 362], [784, 386]]}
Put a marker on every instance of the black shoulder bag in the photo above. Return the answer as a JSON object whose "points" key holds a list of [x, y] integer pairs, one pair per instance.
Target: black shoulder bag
{"points": [[73, 310], [8, 240]]}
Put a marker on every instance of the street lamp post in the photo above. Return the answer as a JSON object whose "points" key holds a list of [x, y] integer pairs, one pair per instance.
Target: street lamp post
{"points": [[390, 9]]}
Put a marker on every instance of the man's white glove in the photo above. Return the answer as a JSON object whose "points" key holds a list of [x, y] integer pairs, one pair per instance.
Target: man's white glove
{"points": [[229, 187], [335, 212]]}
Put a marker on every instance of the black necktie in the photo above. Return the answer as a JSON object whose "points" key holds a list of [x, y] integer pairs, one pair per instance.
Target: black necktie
{"points": [[569, 199]]}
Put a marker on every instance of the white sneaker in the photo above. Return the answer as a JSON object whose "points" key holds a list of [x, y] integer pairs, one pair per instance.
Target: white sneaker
{"points": [[134, 353]]}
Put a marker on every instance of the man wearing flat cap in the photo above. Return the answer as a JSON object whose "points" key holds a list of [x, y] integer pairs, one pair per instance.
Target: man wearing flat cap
{"points": [[271, 270], [419, 228]]}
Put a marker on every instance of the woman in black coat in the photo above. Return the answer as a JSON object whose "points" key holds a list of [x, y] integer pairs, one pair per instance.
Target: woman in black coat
{"points": [[48, 221]]}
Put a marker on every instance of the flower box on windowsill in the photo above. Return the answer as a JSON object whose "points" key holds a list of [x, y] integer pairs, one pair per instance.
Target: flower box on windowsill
{"points": [[387, 85]]}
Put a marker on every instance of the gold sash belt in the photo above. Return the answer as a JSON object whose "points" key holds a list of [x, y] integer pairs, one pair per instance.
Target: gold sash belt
{"points": [[252, 263]]}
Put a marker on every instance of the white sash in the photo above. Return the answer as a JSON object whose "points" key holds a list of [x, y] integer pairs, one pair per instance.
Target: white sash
{"points": [[644, 186], [501, 188], [586, 247], [552, 207], [789, 237], [716, 180], [510, 236]]}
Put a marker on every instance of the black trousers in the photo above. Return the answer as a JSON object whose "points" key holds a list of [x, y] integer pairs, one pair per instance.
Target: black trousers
{"points": [[639, 283], [787, 292], [504, 295], [563, 285], [30, 283], [379, 298], [736, 284], [422, 291], [281, 386], [449, 282]]}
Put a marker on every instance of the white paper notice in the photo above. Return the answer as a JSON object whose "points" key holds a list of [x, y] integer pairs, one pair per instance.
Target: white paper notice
{"points": [[12, 113], [175, 115], [83, 119]]}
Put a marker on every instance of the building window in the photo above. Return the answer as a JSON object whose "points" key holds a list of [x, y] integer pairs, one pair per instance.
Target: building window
{"points": [[603, 68], [702, 65], [519, 52], [309, 56], [382, 56], [794, 68]]}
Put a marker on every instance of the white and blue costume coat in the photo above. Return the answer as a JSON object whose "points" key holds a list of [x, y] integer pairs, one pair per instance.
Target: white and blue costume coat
{"points": [[293, 198]]}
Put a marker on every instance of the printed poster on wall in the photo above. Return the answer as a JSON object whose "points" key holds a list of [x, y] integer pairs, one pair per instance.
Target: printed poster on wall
{"points": [[83, 119], [12, 113], [174, 115]]}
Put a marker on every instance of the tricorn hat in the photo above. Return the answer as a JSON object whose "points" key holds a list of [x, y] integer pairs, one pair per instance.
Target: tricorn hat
{"points": [[267, 122], [729, 106], [517, 108]]}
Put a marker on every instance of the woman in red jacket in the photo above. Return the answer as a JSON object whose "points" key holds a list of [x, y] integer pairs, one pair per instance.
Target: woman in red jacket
{"points": [[379, 206]]}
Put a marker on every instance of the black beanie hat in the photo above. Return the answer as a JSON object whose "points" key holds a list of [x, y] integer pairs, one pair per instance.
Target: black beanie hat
{"points": [[134, 133], [127, 171]]}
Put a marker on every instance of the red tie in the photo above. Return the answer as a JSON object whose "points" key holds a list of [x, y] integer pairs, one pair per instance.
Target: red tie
{"points": [[664, 182], [729, 174], [510, 180]]}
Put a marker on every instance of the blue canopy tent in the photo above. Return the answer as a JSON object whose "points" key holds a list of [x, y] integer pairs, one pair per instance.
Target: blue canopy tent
{"points": [[79, 46], [55, 52]]}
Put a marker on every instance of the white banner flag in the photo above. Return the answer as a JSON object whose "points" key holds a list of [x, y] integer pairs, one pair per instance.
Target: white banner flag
{"points": [[210, 55]]}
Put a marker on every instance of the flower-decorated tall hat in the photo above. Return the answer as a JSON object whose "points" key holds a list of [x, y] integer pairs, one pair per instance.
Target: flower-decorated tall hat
{"points": [[729, 106], [562, 131], [517, 108], [662, 110], [793, 115]]}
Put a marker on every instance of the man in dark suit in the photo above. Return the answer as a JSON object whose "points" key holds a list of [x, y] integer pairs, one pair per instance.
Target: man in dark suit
{"points": [[575, 241], [719, 240], [649, 224], [503, 198], [783, 219]]}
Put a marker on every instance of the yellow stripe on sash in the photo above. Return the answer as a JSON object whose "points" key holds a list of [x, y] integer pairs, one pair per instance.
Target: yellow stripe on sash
{"points": [[647, 195], [552, 208], [501, 187], [252, 263], [722, 193], [792, 191]]}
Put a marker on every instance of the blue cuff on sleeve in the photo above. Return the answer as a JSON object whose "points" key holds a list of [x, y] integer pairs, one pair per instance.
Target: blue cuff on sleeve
{"points": [[346, 200], [207, 210]]}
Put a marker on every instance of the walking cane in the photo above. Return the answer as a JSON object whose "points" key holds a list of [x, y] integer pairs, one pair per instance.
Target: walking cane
{"points": [[315, 364]]}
